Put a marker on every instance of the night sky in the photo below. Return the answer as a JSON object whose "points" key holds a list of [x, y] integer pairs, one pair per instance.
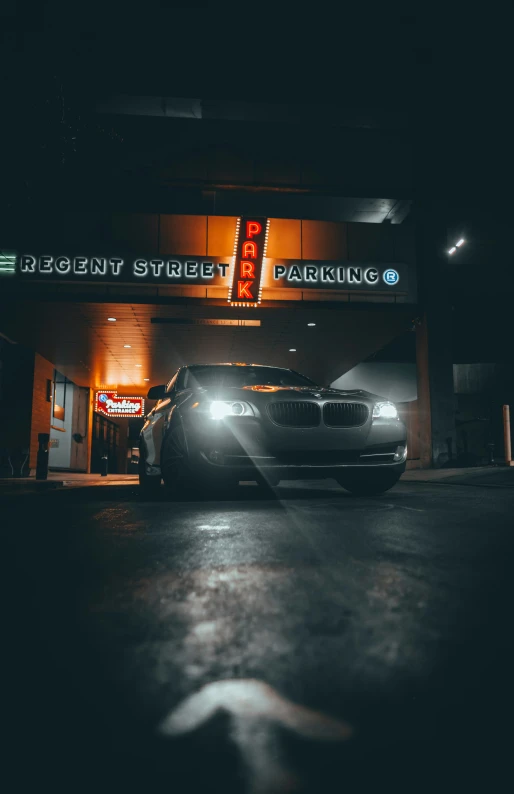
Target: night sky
{"points": [[443, 82]]}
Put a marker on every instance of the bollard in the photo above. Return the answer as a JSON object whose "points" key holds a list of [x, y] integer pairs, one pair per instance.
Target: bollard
{"points": [[104, 465], [42, 456], [506, 436]]}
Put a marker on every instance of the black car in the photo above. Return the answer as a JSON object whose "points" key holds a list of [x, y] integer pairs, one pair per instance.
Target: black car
{"points": [[218, 424]]}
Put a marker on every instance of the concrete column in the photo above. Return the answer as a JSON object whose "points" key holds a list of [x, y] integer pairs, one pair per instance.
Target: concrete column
{"points": [[90, 414], [433, 339]]}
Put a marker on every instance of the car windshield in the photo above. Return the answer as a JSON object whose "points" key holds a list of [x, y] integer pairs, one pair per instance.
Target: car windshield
{"points": [[236, 376]]}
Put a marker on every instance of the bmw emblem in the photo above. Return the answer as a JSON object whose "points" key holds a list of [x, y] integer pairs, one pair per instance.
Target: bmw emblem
{"points": [[391, 277]]}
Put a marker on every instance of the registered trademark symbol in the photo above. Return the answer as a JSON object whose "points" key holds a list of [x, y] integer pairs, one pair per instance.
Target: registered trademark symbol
{"points": [[391, 276]]}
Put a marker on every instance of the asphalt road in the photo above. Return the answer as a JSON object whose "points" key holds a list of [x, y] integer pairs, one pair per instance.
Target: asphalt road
{"points": [[312, 642]]}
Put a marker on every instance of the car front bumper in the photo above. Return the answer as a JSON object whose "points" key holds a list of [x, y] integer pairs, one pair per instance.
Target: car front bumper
{"points": [[246, 449], [276, 471]]}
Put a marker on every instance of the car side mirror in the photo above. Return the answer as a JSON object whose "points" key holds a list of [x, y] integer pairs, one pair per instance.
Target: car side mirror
{"points": [[156, 392]]}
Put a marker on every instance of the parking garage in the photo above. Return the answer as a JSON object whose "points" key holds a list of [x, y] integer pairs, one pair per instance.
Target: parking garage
{"points": [[93, 310]]}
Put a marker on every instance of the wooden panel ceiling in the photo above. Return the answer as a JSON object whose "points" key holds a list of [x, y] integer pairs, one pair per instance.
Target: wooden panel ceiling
{"points": [[81, 342]]}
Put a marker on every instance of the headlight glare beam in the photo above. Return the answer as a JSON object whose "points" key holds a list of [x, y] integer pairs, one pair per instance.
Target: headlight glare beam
{"points": [[385, 410], [219, 409]]}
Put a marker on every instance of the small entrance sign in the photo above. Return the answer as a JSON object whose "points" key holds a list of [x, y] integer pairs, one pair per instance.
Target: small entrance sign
{"points": [[109, 403]]}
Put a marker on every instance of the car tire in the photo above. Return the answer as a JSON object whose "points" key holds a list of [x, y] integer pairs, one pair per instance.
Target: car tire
{"points": [[368, 483]]}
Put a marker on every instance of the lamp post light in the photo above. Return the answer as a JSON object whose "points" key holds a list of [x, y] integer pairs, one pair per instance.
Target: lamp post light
{"points": [[458, 244]]}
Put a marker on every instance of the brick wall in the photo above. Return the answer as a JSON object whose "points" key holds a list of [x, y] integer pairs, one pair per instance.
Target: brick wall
{"points": [[17, 366], [41, 408]]}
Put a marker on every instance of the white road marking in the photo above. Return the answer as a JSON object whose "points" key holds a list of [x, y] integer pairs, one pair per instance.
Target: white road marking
{"points": [[257, 710], [404, 507]]}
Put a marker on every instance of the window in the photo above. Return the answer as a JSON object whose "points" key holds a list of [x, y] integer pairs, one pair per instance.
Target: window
{"points": [[59, 396]]}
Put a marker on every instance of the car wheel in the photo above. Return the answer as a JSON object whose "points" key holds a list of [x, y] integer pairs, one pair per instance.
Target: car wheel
{"points": [[176, 471], [368, 483]]}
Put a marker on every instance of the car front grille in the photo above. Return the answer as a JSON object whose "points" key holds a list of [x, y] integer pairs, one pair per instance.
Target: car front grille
{"points": [[295, 414], [345, 414]]}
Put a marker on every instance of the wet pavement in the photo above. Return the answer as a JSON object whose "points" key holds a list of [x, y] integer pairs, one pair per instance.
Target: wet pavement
{"points": [[309, 642]]}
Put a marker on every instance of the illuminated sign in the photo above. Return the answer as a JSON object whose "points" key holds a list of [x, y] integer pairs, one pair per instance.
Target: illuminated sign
{"points": [[330, 274], [244, 275], [110, 404], [391, 276], [182, 270], [250, 244]]}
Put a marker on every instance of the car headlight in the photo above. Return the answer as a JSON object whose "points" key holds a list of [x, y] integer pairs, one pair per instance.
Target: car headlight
{"points": [[221, 408], [385, 410]]}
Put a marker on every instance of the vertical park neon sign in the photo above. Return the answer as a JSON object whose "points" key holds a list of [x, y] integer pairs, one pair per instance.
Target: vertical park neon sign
{"points": [[250, 245]]}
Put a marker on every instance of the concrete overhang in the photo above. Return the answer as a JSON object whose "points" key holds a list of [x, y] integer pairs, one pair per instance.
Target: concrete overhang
{"points": [[256, 112], [151, 340]]}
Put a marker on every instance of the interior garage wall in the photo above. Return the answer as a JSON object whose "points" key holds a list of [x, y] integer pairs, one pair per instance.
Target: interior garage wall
{"points": [[395, 381], [24, 401], [123, 445]]}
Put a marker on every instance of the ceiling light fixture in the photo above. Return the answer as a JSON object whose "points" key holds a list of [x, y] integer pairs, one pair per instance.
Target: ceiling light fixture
{"points": [[292, 349], [452, 250], [311, 325], [127, 345], [461, 242], [139, 365], [111, 319], [146, 378]]}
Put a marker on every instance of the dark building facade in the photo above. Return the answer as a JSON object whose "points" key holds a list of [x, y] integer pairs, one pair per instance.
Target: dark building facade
{"points": [[126, 205]]}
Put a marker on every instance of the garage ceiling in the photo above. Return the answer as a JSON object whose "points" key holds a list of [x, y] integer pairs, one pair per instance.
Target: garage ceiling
{"points": [[85, 346]]}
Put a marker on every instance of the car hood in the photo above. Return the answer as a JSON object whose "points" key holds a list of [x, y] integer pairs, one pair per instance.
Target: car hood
{"points": [[292, 392]]}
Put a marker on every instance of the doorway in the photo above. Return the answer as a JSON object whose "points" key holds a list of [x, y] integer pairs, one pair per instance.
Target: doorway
{"points": [[105, 443]]}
